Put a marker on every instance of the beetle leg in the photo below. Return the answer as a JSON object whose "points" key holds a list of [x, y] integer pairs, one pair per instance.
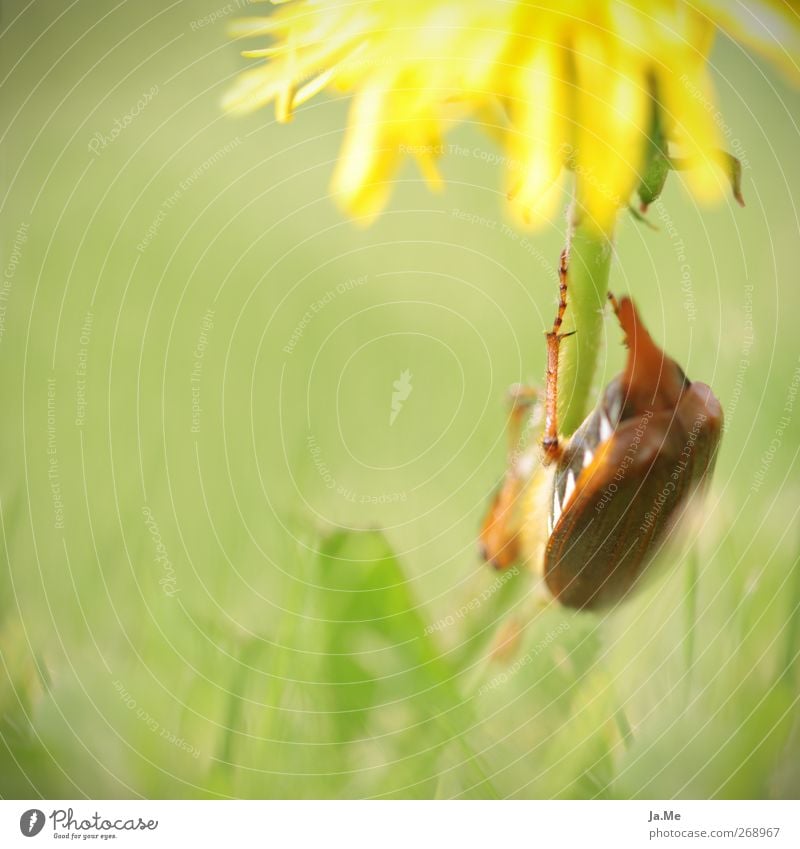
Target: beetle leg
{"points": [[550, 442], [500, 532], [499, 536], [521, 399]]}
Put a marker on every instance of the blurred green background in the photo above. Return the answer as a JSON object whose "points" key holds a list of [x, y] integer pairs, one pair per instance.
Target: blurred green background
{"points": [[226, 573]]}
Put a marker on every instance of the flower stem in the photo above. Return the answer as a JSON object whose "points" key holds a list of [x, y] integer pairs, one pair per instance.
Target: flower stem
{"points": [[589, 266]]}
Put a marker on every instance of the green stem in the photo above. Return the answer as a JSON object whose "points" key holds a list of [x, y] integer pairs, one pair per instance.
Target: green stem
{"points": [[589, 266]]}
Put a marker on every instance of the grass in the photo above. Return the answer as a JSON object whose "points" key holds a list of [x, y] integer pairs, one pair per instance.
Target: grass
{"points": [[287, 600]]}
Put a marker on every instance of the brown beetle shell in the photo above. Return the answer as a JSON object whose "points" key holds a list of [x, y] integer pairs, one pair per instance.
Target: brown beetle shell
{"points": [[627, 472], [628, 495]]}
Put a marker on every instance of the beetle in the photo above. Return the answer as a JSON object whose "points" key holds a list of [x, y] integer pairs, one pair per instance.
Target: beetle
{"points": [[593, 509]]}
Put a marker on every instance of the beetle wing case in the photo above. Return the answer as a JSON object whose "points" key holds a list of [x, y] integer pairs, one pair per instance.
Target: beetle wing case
{"points": [[591, 512], [620, 485]]}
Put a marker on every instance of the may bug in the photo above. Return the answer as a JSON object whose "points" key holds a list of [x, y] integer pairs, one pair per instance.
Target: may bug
{"points": [[594, 508]]}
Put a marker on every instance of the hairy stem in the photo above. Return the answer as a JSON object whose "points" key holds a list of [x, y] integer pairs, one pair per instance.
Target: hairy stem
{"points": [[589, 266]]}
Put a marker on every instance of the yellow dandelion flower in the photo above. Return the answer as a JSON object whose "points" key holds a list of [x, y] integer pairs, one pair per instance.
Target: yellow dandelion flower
{"points": [[581, 84]]}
